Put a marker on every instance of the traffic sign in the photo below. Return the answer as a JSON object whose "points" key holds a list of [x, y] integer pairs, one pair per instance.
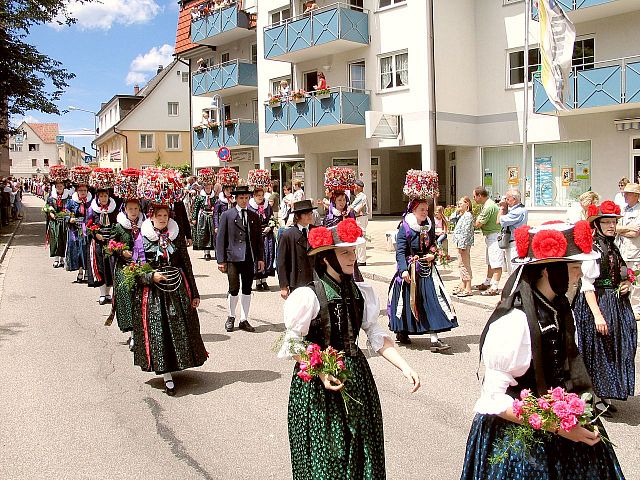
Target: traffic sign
{"points": [[87, 159], [224, 154], [19, 139], [59, 139]]}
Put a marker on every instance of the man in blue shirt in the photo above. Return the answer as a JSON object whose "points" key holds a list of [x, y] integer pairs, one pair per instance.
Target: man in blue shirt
{"points": [[513, 214]]}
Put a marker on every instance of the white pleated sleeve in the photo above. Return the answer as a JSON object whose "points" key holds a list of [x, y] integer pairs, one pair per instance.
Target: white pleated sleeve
{"points": [[506, 355], [376, 333], [300, 308], [590, 273]]}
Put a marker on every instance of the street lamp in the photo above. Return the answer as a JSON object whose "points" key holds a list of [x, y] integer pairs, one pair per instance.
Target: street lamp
{"points": [[95, 125]]}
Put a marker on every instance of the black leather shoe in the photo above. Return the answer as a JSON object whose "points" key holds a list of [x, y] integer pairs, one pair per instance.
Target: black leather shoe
{"points": [[403, 338], [102, 301], [78, 279], [244, 325], [207, 257], [229, 324], [171, 391]]}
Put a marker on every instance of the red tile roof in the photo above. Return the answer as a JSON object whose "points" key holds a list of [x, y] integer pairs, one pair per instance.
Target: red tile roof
{"points": [[183, 33], [46, 131]]}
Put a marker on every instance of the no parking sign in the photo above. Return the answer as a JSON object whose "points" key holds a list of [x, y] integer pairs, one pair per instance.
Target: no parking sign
{"points": [[224, 154]]}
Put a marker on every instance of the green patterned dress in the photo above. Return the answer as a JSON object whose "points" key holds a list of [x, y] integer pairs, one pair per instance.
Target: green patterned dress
{"points": [[57, 228], [326, 441], [167, 332]]}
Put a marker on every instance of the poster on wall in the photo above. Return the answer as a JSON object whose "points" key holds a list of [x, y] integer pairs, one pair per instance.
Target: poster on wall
{"points": [[488, 181], [567, 176], [513, 175], [582, 170], [543, 175]]}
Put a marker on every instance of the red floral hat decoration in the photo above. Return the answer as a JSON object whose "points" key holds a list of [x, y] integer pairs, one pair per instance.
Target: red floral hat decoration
{"points": [[102, 178], [605, 209], [346, 234], [421, 184], [259, 178], [554, 242], [58, 173], [160, 186], [206, 176], [228, 177], [80, 175], [339, 179], [126, 184]]}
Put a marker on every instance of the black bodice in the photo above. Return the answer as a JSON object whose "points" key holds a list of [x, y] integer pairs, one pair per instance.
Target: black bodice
{"points": [[340, 318], [611, 264]]}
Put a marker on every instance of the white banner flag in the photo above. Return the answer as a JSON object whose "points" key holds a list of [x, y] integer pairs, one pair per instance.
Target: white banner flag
{"points": [[557, 35]]}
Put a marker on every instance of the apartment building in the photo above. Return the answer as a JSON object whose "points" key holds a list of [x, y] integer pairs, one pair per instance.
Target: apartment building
{"points": [[34, 149], [479, 68], [151, 126], [72, 156]]}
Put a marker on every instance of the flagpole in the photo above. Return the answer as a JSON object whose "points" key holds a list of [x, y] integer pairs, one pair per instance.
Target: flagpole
{"points": [[525, 112]]}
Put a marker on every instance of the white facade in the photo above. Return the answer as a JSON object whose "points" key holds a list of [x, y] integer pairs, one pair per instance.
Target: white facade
{"points": [[30, 155]]}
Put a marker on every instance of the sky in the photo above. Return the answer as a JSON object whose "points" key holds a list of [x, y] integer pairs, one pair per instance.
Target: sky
{"points": [[114, 45]]}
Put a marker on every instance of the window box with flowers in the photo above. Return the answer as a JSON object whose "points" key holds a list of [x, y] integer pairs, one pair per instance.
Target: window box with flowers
{"points": [[299, 96], [230, 123], [323, 93], [198, 129], [275, 101], [213, 125]]}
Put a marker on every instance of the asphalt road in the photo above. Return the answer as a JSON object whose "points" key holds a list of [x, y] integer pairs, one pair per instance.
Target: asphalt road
{"points": [[73, 406]]}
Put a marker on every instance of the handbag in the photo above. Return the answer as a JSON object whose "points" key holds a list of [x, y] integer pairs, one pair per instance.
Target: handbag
{"points": [[504, 239]]}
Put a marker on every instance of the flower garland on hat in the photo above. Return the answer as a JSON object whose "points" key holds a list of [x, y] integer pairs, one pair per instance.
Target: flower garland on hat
{"points": [[160, 186], [102, 178], [346, 234], [58, 173], [421, 184], [206, 176], [554, 240], [259, 178], [80, 175], [228, 177], [126, 184], [339, 178]]}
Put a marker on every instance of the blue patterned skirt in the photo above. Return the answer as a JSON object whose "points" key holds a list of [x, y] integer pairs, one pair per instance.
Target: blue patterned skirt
{"points": [[556, 458], [76, 254], [435, 309], [269, 241], [610, 359]]}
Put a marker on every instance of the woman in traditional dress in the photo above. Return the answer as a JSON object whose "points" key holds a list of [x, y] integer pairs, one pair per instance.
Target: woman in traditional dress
{"points": [[166, 336], [202, 215], [326, 440], [528, 343], [126, 231], [101, 218], [260, 206], [224, 203], [78, 205], [56, 223], [606, 329], [418, 300], [338, 209]]}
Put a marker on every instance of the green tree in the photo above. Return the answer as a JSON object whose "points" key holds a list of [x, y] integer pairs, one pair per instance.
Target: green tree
{"points": [[29, 80]]}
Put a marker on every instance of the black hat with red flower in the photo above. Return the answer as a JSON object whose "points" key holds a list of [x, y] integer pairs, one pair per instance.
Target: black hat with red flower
{"points": [[605, 209], [555, 241], [346, 234]]}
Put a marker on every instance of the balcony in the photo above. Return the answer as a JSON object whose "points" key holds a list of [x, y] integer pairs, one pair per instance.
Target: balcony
{"points": [[230, 78], [326, 31], [587, 10], [610, 85], [221, 26], [234, 133], [341, 108]]}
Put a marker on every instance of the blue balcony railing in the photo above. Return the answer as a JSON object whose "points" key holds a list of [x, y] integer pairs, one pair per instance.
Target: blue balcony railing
{"points": [[341, 107], [220, 26], [237, 133], [570, 5], [231, 77], [333, 29], [613, 83]]}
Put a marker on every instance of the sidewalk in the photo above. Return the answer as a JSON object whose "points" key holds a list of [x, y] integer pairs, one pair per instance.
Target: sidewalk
{"points": [[381, 262]]}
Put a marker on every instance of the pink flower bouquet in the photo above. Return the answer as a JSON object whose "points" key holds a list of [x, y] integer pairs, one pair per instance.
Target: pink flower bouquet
{"points": [[115, 247]]}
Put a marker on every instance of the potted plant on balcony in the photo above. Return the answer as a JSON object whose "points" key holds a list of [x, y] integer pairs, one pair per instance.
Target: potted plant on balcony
{"points": [[213, 125], [229, 123], [323, 93], [275, 101], [198, 128], [299, 96]]}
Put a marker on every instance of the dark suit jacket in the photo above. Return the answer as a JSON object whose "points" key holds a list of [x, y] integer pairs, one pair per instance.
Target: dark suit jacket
{"points": [[295, 266], [231, 242]]}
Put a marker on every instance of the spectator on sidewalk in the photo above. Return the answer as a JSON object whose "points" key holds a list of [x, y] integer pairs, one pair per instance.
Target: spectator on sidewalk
{"points": [[578, 211], [487, 221], [360, 207], [619, 198], [628, 231], [463, 239], [442, 226], [513, 214]]}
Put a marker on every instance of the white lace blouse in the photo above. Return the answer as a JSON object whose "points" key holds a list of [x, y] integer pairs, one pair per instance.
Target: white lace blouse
{"points": [[302, 307], [506, 355]]}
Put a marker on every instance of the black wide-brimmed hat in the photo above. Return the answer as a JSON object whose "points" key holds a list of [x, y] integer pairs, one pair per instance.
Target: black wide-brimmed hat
{"points": [[241, 190], [303, 206]]}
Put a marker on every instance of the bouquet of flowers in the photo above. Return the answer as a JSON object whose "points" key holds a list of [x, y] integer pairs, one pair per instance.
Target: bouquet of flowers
{"points": [[228, 177], [421, 184], [58, 173], [161, 186], [115, 247], [259, 178], [80, 175], [314, 362], [132, 272], [339, 178], [64, 213], [555, 411], [47, 209], [93, 229], [440, 256], [126, 185], [102, 178], [273, 223]]}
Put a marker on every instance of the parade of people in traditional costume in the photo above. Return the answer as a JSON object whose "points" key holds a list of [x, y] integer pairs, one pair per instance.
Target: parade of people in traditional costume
{"points": [[418, 301], [335, 426], [202, 217], [240, 254], [606, 329], [101, 218], [166, 332], [126, 246], [259, 180], [228, 178], [76, 255], [528, 347], [55, 210]]}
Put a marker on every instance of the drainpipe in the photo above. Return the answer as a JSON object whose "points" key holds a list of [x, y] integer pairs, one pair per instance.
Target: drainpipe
{"points": [[126, 147], [432, 85], [188, 64]]}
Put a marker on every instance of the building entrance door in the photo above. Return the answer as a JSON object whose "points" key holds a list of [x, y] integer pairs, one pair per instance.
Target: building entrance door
{"points": [[375, 187]]}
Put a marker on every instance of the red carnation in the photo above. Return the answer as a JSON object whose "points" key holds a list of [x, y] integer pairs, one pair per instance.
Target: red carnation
{"points": [[552, 222], [608, 208], [320, 237], [521, 236], [348, 230], [592, 211], [549, 244], [583, 236], [130, 172]]}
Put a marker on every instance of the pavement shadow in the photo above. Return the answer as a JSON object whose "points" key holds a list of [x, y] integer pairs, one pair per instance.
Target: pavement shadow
{"points": [[459, 344], [270, 327], [213, 295], [628, 412], [214, 337], [193, 382], [379, 264], [10, 330]]}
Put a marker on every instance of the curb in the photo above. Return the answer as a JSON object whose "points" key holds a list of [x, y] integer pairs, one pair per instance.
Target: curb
{"points": [[379, 278], [5, 249]]}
